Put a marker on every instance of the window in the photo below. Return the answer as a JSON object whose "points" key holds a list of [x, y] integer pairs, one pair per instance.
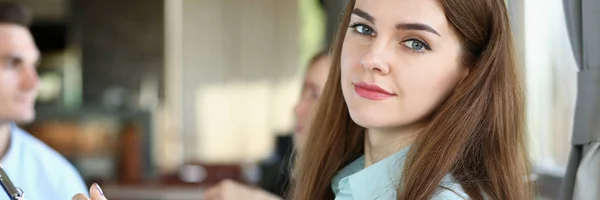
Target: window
{"points": [[550, 80]]}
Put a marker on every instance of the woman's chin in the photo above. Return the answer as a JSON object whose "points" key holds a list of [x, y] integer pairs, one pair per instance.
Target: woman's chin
{"points": [[372, 122], [379, 122]]}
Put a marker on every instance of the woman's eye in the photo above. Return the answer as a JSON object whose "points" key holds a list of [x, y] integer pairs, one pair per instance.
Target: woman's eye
{"points": [[416, 45], [363, 29]]}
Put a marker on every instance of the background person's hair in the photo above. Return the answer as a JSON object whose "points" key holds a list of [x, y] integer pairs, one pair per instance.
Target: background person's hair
{"points": [[316, 57], [477, 135], [15, 13]]}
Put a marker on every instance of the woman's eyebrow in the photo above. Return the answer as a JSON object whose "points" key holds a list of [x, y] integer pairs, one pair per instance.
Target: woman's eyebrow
{"points": [[364, 15], [416, 26]]}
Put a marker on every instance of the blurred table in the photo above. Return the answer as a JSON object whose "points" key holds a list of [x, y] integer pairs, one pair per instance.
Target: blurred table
{"points": [[188, 184], [121, 192]]}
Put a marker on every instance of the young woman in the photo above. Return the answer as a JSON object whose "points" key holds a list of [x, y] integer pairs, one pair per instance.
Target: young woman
{"points": [[424, 101]]}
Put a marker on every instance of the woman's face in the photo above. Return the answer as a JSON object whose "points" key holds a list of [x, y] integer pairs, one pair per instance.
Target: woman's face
{"points": [[314, 82], [399, 62]]}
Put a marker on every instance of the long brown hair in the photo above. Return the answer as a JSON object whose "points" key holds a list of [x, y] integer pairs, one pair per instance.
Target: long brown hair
{"points": [[477, 135]]}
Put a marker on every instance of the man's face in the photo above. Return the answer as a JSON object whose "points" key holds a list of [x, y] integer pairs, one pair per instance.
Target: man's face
{"points": [[19, 80]]}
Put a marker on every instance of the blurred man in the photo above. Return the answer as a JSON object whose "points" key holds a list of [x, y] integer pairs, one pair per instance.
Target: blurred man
{"points": [[31, 165]]}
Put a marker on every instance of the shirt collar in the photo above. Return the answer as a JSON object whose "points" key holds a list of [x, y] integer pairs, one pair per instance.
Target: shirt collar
{"points": [[366, 183], [13, 144]]}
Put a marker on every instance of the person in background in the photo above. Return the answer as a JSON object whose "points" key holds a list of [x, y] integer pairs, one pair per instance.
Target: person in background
{"points": [[274, 184], [38, 170]]}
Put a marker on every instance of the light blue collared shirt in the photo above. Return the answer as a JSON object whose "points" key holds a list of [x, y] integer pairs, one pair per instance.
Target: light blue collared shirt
{"points": [[38, 170], [379, 181]]}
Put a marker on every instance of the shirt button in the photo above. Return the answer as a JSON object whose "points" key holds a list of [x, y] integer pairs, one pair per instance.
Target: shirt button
{"points": [[345, 182]]}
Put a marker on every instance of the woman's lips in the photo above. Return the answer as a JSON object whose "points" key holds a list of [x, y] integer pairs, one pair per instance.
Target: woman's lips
{"points": [[372, 91]]}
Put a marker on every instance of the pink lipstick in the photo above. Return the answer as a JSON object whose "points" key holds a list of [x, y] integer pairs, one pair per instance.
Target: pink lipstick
{"points": [[371, 91]]}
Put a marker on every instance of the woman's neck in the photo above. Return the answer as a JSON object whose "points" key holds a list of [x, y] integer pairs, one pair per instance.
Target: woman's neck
{"points": [[380, 144]]}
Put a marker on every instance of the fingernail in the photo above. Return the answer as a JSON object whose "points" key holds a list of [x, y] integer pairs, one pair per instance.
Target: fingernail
{"points": [[99, 189]]}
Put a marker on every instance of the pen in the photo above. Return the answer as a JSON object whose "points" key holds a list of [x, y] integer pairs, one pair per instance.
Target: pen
{"points": [[13, 192]]}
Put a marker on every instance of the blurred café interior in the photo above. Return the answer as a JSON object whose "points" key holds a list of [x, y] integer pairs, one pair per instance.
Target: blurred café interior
{"points": [[158, 99]]}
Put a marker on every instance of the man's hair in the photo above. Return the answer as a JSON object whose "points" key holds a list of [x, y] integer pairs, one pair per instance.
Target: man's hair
{"points": [[15, 13]]}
